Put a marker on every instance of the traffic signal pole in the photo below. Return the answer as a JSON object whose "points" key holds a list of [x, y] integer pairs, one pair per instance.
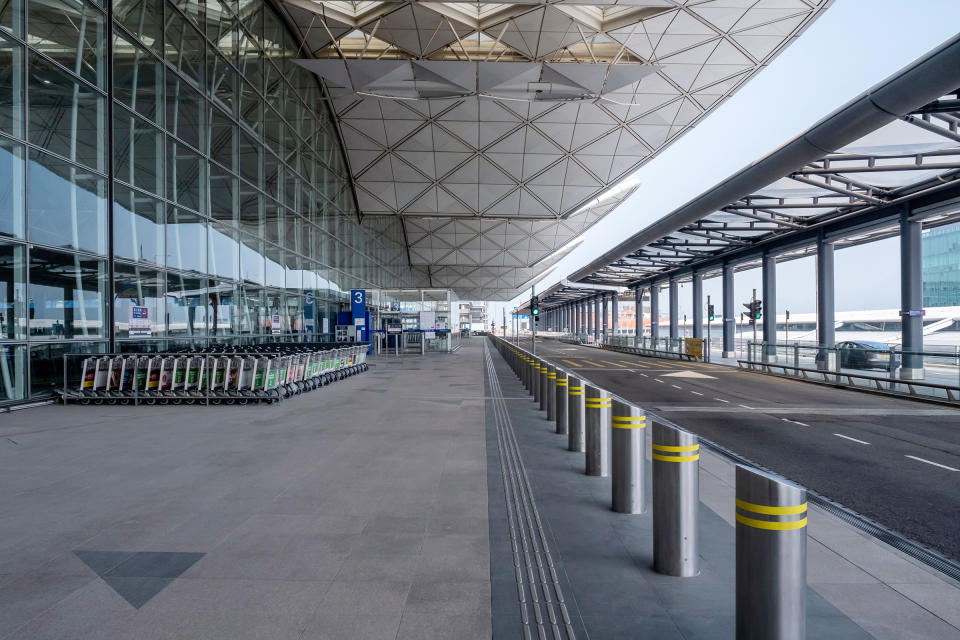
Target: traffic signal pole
{"points": [[533, 317]]}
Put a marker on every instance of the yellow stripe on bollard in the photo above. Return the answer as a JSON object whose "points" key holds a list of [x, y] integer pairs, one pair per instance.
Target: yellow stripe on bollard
{"points": [[771, 511], [657, 456], [629, 422], [772, 526], [672, 449], [551, 376], [574, 393]]}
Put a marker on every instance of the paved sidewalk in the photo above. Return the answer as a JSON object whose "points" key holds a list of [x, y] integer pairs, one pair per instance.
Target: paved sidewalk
{"points": [[357, 511]]}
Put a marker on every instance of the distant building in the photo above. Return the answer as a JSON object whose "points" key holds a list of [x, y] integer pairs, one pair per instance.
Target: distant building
{"points": [[941, 267]]}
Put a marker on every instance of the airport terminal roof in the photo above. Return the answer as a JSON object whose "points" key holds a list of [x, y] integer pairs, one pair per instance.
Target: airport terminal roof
{"points": [[492, 129]]}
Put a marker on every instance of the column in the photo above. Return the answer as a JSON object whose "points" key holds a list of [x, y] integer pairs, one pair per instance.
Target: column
{"points": [[911, 297], [614, 313], [729, 313], [826, 323], [674, 309], [769, 269], [638, 301], [654, 314], [596, 318], [588, 311], [603, 312], [698, 306]]}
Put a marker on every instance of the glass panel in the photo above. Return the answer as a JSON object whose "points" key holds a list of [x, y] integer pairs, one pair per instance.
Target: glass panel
{"points": [[70, 32], [223, 195], [249, 153], [144, 18], [223, 83], [46, 365], [224, 252], [11, 88], [137, 226], [136, 286], [222, 27], [251, 216], [138, 152], [251, 311], [137, 79], [185, 48], [223, 139], [185, 176], [66, 295], [275, 272], [251, 259], [13, 292], [223, 312], [11, 189], [294, 313], [186, 305], [186, 241], [66, 116], [274, 306], [68, 206], [13, 371], [184, 111]]}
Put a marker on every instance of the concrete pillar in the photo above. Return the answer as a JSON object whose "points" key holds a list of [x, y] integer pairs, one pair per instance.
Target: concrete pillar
{"points": [[729, 313], [769, 269], [674, 309], [697, 305], [588, 304], [596, 318], [911, 297], [654, 313], [605, 332], [638, 301]]}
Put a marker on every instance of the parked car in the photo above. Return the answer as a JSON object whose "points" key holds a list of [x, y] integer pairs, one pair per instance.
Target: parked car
{"points": [[864, 354]]}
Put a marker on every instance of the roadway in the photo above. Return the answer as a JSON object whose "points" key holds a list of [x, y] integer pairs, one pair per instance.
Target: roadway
{"points": [[895, 461]]}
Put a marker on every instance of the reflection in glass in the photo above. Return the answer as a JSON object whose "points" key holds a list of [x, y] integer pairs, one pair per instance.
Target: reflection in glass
{"points": [[137, 226], [46, 364], [11, 87], [186, 241], [251, 259], [224, 251], [67, 295], [144, 18], [186, 306], [136, 286], [11, 189], [252, 314], [138, 152], [13, 369], [68, 206], [224, 316], [66, 116], [137, 78], [70, 32], [185, 176], [13, 292]]}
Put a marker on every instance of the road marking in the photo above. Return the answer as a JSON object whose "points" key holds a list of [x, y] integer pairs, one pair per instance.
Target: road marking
{"points": [[658, 380], [936, 464], [594, 364], [676, 386], [614, 364], [840, 435], [644, 375], [722, 400], [744, 406], [804, 424], [696, 393], [571, 363]]}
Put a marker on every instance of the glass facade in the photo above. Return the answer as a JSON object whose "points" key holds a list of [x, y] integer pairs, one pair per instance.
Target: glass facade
{"points": [[199, 179], [941, 266]]}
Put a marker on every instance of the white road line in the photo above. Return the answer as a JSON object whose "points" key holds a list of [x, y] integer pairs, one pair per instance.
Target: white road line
{"points": [[722, 400], [744, 406], [676, 386], [936, 464], [840, 435], [804, 424], [644, 375], [659, 380], [696, 393]]}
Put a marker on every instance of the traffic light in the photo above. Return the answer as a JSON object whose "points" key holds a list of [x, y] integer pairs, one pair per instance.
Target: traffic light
{"points": [[750, 313], [710, 312], [757, 309], [535, 307]]}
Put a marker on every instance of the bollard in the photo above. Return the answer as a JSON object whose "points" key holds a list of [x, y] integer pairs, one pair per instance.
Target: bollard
{"points": [[628, 458], [535, 380], [676, 488], [533, 372], [560, 409], [771, 557], [544, 384], [576, 415], [551, 392], [598, 404]]}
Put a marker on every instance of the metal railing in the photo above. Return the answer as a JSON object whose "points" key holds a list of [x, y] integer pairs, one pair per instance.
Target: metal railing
{"points": [[864, 368]]}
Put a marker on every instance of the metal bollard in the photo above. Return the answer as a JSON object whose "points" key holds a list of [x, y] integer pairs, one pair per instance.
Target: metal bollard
{"points": [[598, 404], [544, 384], [771, 557], [628, 458], [576, 415], [551, 392], [535, 380], [533, 371], [560, 408], [676, 489]]}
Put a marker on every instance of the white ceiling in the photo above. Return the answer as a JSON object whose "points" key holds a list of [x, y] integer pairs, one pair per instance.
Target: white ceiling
{"points": [[496, 167]]}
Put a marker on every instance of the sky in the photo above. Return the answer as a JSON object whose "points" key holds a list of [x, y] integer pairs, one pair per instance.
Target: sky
{"points": [[853, 45]]}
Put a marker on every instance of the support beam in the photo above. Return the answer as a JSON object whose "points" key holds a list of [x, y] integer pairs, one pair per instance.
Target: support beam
{"points": [[826, 323], [614, 313], [589, 313], [638, 301], [654, 312], [674, 309], [596, 319], [769, 307], [911, 296], [605, 333], [697, 305], [729, 313]]}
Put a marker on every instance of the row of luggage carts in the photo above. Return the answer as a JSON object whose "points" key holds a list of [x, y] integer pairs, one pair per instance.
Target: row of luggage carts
{"points": [[217, 375]]}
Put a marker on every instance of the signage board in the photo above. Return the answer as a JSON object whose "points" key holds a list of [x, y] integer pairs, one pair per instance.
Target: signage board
{"points": [[394, 328], [276, 325], [139, 322]]}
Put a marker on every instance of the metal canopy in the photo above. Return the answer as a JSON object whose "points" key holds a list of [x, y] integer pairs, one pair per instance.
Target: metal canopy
{"points": [[846, 180], [491, 129]]}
